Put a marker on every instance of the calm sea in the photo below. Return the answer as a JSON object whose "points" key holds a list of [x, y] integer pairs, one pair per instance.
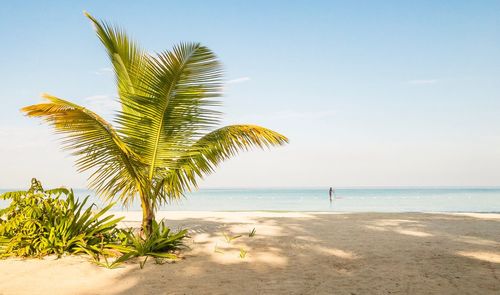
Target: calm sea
{"points": [[346, 200]]}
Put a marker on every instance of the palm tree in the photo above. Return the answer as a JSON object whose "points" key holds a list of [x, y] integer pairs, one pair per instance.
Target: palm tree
{"points": [[164, 136]]}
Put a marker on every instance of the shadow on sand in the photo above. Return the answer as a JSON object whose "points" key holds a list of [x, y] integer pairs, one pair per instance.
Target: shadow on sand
{"points": [[329, 254], [293, 253]]}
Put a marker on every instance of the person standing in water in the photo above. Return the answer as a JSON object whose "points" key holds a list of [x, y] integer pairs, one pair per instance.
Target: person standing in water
{"points": [[330, 193]]}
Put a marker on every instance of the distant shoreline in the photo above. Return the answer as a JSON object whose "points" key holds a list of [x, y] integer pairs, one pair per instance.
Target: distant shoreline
{"points": [[430, 187], [452, 200], [318, 212]]}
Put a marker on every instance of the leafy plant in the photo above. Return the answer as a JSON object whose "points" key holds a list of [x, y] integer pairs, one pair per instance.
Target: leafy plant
{"points": [[217, 250], [160, 244], [110, 262], [41, 222], [166, 135], [229, 238], [243, 253]]}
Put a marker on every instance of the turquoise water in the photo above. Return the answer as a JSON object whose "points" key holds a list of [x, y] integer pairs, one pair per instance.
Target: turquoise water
{"points": [[346, 200]]}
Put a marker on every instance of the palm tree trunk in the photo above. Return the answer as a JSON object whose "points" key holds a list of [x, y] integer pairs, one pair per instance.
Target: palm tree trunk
{"points": [[147, 221], [148, 215]]}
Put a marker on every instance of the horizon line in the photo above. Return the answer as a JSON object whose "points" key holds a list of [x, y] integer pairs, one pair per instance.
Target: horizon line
{"points": [[323, 187]]}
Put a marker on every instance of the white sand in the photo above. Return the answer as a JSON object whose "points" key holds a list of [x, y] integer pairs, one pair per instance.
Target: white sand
{"points": [[293, 253]]}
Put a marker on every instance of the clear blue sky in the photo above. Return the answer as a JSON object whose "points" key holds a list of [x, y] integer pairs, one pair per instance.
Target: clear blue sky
{"points": [[369, 92]]}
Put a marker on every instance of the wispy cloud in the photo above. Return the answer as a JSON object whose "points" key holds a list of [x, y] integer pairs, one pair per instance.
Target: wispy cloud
{"points": [[284, 116], [102, 104], [103, 71], [422, 81], [290, 114], [238, 80], [23, 137]]}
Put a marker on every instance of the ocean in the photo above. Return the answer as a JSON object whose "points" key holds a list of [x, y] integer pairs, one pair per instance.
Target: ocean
{"points": [[317, 199]]}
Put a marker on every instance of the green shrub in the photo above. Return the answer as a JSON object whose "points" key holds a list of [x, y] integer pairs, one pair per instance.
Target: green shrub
{"points": [[160, 244], [41, 222]]}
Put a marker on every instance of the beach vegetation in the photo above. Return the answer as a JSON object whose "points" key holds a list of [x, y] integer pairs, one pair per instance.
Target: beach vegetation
{"points": [[160, 244], [40, 222], [166, 134], [230, 238], [243, 253], [217, 249]]}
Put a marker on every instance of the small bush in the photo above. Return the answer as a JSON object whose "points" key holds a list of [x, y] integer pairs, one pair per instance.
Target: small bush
{"points": [[42, 222], [160, 244]]}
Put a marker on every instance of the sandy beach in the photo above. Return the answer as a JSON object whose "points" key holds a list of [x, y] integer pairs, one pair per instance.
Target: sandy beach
{"points": [[292, 253]]}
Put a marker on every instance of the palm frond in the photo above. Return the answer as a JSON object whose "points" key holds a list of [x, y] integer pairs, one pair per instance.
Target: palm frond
{"points": [[181, 86], [95, 144], [127, 58], [208, 152]]}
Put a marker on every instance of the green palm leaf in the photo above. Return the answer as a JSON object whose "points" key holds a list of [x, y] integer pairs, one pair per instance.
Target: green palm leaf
{"points": [[94, 142], [209, 151], [180, 88], [127, 58]]}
